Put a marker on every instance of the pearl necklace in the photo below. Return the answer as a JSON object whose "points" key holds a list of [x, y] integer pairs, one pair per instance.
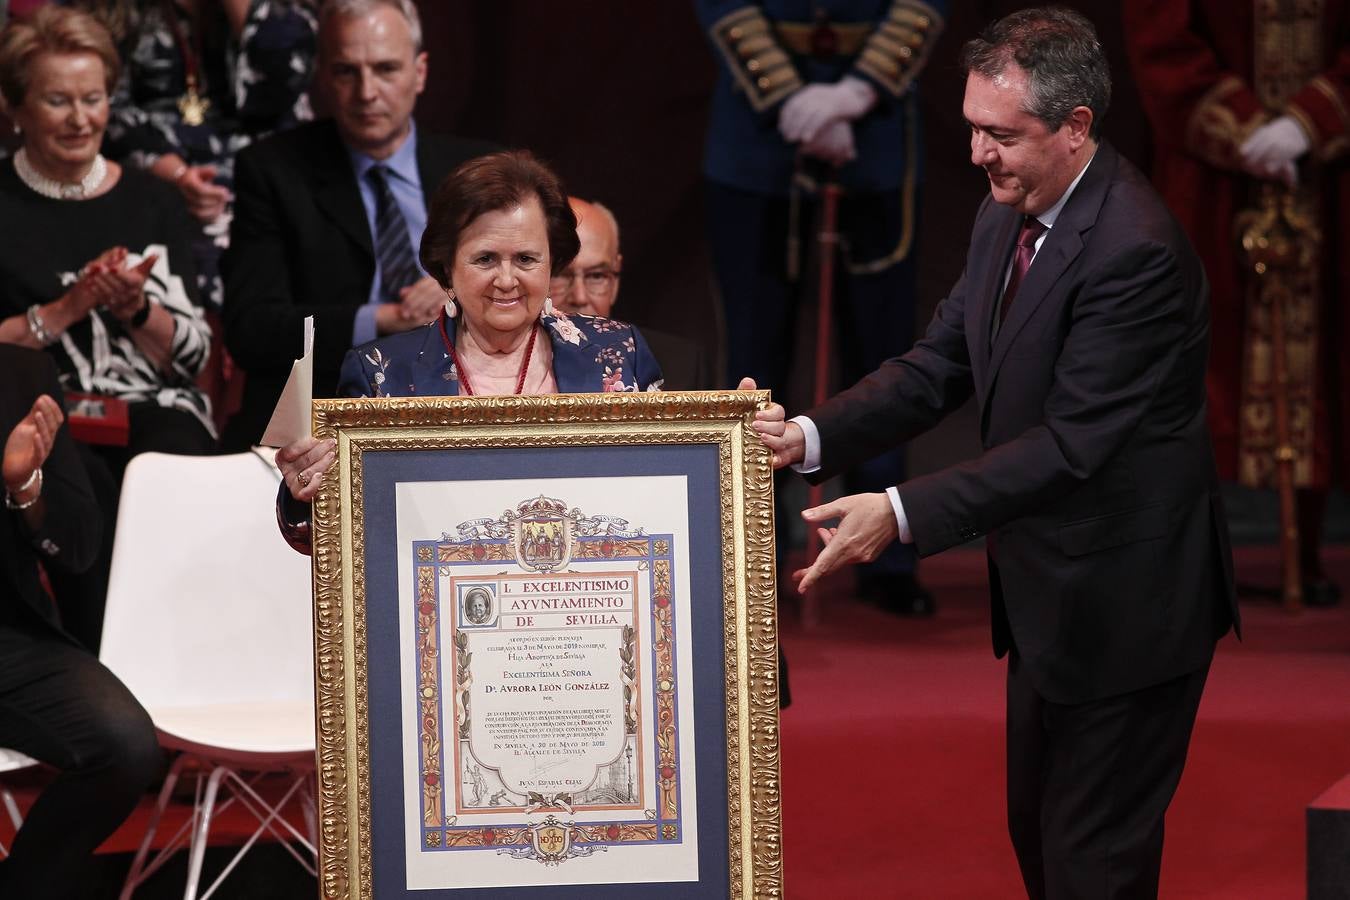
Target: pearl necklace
{"points": [[60, 190]]}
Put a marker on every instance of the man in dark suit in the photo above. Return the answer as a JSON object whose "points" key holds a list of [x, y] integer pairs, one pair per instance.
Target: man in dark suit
{"points": [[58, 704], [590, 286], [328, 216], [1080, 325]]}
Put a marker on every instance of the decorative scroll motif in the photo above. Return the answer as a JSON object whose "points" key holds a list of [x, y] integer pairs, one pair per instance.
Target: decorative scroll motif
{"points": [[754, 810], [1288, 50]]}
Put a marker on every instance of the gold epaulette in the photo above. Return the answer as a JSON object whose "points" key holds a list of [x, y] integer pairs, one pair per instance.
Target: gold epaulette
{"points": [[901, 45], [760, 66]]}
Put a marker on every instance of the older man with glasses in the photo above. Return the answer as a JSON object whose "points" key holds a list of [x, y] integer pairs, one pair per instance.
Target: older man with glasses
{"points": [[590, 287]]}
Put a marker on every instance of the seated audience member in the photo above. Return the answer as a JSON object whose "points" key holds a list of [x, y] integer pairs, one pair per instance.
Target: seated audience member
{"points": [[499, 228], [590, 286], [58, 704], [327, 215], [201, 80], [95, 265]]}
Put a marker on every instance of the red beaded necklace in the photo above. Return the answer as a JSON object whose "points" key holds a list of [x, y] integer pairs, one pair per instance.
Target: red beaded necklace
{"points": [[466, 388]]}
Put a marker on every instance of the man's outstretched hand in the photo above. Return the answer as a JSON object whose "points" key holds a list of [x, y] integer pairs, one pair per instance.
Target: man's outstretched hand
{"points": [[866, 525]]}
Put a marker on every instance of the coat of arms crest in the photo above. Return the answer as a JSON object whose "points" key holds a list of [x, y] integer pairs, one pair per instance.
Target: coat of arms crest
{"points": [[541, 533]]}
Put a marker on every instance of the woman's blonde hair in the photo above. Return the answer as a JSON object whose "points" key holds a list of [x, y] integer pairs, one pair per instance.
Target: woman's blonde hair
{"points": [[51, 29]]}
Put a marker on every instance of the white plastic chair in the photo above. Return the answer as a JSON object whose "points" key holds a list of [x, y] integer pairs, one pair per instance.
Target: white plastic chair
{"points": [[208, 623], [12, 761]]}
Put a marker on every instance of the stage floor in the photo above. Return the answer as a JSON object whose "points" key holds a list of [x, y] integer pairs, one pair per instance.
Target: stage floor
{"points": [[893, 756]]}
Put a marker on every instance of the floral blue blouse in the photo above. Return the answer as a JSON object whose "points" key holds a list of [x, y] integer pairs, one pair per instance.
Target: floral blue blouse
{"points": [[590, 355]]}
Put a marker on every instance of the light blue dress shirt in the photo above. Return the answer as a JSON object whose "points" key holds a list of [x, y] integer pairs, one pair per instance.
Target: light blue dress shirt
{"points": [[405, 183]]}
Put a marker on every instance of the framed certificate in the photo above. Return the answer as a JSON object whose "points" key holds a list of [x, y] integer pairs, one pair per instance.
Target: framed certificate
{"points": [[546, 648]]}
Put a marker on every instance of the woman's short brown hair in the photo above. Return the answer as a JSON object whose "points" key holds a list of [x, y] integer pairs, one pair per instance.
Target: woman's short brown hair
{"points": [[51, 29], [495, 182]]}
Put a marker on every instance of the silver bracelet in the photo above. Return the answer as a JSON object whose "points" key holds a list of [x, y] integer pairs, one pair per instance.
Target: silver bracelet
{"points": [[9, 495], [38, 328]]}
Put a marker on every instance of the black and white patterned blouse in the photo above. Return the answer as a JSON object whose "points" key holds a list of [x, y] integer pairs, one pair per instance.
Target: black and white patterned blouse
{"points": [[48, 241]]}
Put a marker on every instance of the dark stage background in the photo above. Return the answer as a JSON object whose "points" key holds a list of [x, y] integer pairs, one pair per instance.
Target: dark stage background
{"points": [[614, 94]]}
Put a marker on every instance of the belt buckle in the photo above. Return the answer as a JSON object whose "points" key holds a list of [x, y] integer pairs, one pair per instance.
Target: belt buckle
{"points": [[824, 39]]}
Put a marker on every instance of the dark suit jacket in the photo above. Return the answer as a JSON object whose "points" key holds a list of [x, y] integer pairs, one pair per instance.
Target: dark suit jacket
{"points": [[683, 363], [72, 526], [1110, 565], [299, 246]]}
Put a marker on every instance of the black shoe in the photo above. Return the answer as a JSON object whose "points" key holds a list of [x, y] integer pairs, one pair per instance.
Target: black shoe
{"points": [[1321, 591], [900, 595]]}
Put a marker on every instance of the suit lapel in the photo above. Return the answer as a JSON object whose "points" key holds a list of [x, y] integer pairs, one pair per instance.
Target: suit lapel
{"points": [[1062, 246], [336, 192], [986, 284]]}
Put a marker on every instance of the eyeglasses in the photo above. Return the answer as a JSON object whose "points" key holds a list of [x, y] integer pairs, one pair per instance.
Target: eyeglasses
{"points": [[594, 282]]}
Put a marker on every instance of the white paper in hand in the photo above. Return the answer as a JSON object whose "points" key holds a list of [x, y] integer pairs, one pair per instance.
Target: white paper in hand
{"points": [[291, 419]]}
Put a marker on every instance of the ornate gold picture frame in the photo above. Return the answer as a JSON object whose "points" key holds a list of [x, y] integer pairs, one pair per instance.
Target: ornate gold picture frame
{"points": [[546, 648]]}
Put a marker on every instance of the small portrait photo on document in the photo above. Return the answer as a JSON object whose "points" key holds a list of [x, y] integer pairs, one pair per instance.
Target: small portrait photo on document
{"points": [[477, 605]]}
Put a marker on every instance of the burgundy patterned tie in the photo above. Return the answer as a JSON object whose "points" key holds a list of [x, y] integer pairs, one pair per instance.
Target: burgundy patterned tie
{"points": [[1026, 250]]}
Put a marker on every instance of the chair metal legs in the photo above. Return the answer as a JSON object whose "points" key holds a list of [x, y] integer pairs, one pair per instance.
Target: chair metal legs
{"points": [[209, 803]]}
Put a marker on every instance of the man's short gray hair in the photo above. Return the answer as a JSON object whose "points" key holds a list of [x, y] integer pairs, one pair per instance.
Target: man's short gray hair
{"points": [[352, 9], [1059, 51]]}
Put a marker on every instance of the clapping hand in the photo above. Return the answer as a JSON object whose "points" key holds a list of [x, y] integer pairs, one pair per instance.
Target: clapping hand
{"points": [[866, 525], [29, 444], [205, 199], [128, 287]]}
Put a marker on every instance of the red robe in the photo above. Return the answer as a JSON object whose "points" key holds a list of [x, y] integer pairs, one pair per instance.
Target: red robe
{"points": [[1196, 63]]}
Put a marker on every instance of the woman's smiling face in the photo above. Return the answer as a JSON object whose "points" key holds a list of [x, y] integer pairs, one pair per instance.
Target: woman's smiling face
{"points": [[500, 273]]}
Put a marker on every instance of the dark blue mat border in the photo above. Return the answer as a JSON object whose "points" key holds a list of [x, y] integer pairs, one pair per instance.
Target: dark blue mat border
{"points": [[381, 472]]}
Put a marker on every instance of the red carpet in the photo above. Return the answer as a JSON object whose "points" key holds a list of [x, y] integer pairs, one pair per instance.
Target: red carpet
{"points": [[893, 749], [893, 757]]}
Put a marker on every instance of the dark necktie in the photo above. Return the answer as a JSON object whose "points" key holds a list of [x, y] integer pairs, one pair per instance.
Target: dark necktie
{"points": [[393, 250], [1026, 250]]}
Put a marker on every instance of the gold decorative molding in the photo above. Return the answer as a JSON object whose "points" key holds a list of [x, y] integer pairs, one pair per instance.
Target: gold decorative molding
{"points": [[749, 593]]}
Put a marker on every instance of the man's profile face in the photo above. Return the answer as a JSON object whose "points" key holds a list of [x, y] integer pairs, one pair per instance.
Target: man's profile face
{"points": [[589, 285], [1028, 165], [370, 74]]}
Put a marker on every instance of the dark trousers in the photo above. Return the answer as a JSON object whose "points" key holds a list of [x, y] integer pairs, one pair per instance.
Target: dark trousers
{"points": [[151, 427], [59, 705], [1089, 784], [874, 318]]}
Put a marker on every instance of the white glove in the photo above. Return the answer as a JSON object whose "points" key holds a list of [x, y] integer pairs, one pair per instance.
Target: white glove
{"points": [[834, 143], [809, 110], [1271, 150]]}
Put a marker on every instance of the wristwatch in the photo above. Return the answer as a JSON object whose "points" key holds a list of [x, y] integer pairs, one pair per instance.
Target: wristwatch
{"points": [[141, 316]]}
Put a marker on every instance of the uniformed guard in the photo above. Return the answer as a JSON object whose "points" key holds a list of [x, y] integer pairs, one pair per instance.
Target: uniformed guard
{"points": [[807, 91]]}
